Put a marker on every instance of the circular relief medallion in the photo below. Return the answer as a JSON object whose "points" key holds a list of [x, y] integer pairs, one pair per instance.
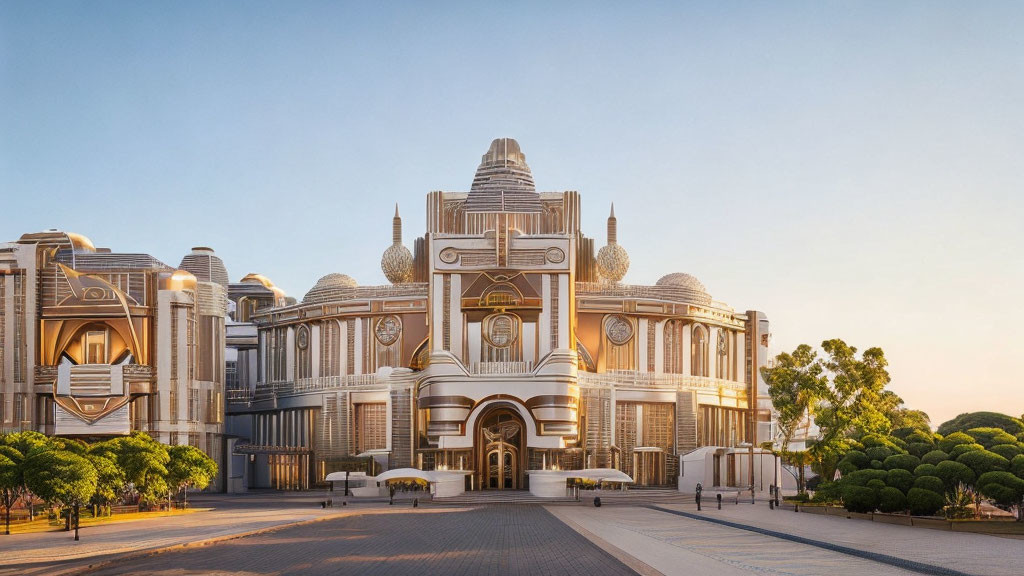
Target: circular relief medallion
{"points": [[554, 255], [388, 329], [302, 338], [448, 255], [618, 329], [501, 330]]}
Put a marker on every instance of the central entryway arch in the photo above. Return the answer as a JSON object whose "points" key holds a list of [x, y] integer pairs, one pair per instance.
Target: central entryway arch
{"points": [[500, 450]]}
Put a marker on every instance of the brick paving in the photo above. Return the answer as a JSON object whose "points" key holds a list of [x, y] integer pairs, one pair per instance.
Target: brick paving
{"points": [[489, 540]]}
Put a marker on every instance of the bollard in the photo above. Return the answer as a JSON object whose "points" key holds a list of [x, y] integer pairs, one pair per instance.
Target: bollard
{"points": [[771, 504], [416, 503], [751, 494], [700, 489], [597, 501], [719, 496]]}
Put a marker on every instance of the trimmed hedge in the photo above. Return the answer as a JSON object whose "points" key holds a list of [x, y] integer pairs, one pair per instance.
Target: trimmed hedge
{"points": [[953, 440], [934, 457], [962, 449], [860, 499], [878, 452], [1017, 466], [924, 470], [1003, 487], [862, 477], [857, 458], [989, 437], [904, 461], [953, 473], [876, 485], [933, 483], [919, 449], [891, 500], [900, 479], [1008, 451], [970, 420], [877, 465], [924, 502], [981, 461]]}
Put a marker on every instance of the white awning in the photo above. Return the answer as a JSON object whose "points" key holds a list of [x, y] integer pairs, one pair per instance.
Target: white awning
{"points": [[405, 474]]}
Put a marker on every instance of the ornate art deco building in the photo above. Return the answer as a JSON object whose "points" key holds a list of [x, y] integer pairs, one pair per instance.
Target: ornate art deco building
{"points": [[503, 345], [95, 343]]}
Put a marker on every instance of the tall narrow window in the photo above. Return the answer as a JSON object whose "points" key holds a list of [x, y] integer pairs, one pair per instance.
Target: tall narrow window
{"points": [[674, 347], [95, 347], [699, 351]]}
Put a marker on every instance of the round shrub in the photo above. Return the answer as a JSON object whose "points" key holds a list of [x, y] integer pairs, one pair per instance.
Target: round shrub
{"points": [[919, 449], [878, 452], [846, 467], [828, 492], [877, 465], [953, 440], [1003, 487], [857, 458], [1008, 451], [918, 436], [1017, 466], [860, 499], [900, 479], [875, 440], [962, 449], [903, 461], [989, 437], [953, 473], [862, 477], [933, 483], [876, 485], [970, 420], [891, 500], [934, 457], [924, 502], [852, 444], [981, 461], [924, 470]]}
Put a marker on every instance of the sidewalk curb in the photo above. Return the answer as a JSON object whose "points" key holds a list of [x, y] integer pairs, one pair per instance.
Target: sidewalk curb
{"points": [[631, 562], [873, 556]]}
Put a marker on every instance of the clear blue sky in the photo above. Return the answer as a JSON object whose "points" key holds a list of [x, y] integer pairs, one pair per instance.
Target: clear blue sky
{"points": [[852, 169]]}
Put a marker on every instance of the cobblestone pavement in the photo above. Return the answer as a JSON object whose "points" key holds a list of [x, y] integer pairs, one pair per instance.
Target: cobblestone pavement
{"points": [[498, 540]]}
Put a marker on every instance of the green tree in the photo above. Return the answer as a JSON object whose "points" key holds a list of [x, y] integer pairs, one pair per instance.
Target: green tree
{"points": [[63, 479], [1004, 489], [110, 479], [849, 400], [189, 467], [795, 383], [144, 462], [16, 448]]}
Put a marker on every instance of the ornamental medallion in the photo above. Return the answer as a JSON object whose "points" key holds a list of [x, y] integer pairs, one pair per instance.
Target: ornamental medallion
{"points": [[618, 329], [501, 330], [388, 329]]}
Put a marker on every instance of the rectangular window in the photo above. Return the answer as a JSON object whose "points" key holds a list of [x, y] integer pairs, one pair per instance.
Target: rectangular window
{"points": [[370, 426], [95, 347]]}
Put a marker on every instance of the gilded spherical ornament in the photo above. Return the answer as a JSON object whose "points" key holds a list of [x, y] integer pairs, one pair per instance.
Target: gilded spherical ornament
{"points": [[397, 264], [612, 262]]}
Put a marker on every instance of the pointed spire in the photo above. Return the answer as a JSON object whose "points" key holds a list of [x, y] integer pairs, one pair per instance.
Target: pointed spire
{"points": [[612, 226], [396, 227]]}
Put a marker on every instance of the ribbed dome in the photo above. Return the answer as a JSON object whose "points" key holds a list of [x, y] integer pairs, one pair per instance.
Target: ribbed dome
{"points": [[329, 287], [681, 280], [205, 266], [503, 181], [612, 262], [397, 264]]}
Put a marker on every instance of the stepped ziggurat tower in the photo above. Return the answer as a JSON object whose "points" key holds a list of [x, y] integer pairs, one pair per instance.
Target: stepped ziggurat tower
{"points": [[504, 348]]}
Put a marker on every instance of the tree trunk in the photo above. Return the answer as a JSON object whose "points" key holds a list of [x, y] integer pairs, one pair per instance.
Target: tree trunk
{"points": [[67, 521], [186, 497], [7, 521], [76, 522]]}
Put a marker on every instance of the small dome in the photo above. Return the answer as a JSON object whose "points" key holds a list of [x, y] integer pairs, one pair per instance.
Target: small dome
{"points": [[612, 262], [681, 280], [205, 265], [397, 264], [328, 287]]}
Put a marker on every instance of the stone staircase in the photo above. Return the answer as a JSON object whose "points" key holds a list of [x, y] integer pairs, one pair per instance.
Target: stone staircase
{"points": [[636, 496]]}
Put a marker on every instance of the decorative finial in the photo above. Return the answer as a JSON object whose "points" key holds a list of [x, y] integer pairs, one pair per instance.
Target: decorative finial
{"points": [[397, 262], [613, 226]]}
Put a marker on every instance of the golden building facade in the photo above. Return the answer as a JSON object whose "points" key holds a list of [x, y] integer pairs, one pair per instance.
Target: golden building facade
{"points": [[504, 344], [95, 343]]}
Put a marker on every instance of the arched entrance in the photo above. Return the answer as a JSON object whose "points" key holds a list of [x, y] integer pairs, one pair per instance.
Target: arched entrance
{"points": [[500, 453]]}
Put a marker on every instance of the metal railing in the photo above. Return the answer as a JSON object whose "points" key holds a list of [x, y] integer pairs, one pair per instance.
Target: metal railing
{"points": [[267, 390], [485, 368], [628, 378]]}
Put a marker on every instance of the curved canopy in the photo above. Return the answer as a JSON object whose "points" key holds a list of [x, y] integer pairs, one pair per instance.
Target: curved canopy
{"points": [[405, 474], [600, 475]]}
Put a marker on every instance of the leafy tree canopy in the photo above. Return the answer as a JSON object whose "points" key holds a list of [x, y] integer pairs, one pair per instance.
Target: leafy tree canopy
{"points": [[61, 478], [969, 420]]}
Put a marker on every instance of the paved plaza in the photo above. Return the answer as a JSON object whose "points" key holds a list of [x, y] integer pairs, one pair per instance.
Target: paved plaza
{"points": [[274, 533]]}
